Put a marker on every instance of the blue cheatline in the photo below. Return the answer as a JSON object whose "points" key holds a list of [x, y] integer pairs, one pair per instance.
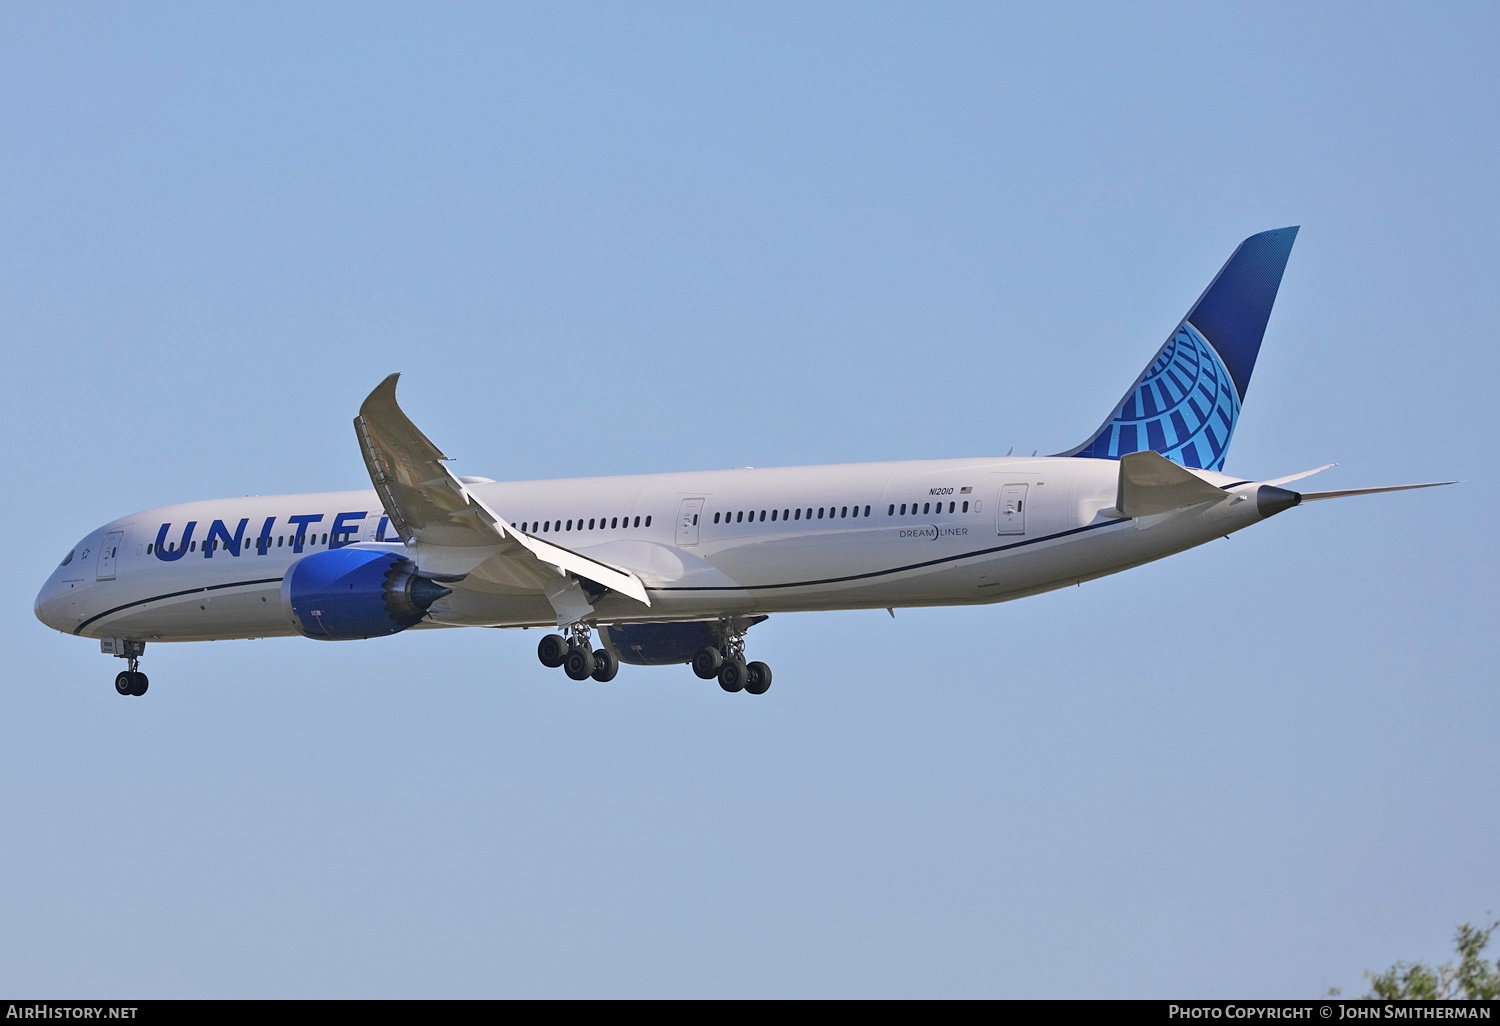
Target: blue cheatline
{"points": [[1185, 404]]}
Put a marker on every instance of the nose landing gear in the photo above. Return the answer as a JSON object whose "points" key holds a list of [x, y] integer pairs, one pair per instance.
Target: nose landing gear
{"points": [[131, 681]]}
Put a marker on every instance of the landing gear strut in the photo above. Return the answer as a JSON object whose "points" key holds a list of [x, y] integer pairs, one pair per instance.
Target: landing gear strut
{"points": [[131, 681], [577, 656], [725, 659]]}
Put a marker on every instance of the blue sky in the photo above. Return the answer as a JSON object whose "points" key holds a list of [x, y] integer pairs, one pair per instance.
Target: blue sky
{"points": [[612, 239]]}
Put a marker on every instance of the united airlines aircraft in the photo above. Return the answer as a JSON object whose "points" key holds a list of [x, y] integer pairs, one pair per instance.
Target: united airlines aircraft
{"points": [[675, 568]]}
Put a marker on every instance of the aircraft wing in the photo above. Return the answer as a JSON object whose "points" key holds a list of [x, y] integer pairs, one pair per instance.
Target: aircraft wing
{"points": [[426, 503]]}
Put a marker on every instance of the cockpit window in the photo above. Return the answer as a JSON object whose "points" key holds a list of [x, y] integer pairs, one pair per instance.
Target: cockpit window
{"points": [[67, 559]]}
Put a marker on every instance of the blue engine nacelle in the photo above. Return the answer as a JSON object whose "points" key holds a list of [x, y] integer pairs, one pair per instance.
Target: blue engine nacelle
{"points": [[661, 644], [350, 594]]}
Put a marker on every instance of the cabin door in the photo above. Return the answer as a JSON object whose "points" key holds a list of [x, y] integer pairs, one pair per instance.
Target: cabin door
{"points": [[1011, 516], [687, 522], [108, 553]]}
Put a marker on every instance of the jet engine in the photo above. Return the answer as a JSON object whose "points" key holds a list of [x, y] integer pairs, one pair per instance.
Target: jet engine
{"points": [[350, 594]]}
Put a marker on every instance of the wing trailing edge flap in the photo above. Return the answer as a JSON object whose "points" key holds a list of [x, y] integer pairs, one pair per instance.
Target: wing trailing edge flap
{"points": [[428, 505], [1151, 484]]}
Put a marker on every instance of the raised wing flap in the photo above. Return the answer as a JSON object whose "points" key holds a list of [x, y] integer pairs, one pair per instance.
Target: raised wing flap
{"points": [[616, 578], [426, 503], [1150, 483]]}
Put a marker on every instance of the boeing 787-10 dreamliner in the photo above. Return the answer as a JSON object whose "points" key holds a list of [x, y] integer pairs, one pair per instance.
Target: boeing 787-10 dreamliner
{"points": [[675, 568]]}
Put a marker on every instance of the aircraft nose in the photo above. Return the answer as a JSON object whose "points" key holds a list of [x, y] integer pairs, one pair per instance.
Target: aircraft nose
{"points": [[54, 609]]}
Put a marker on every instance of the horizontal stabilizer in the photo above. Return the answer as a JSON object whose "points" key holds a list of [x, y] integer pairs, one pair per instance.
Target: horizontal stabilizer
{"points": [[1315, 496], [1299, 477], [1150, 483]]}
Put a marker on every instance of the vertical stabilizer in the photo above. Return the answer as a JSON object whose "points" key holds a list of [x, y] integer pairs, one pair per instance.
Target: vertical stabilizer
{"points": [[1185, 404]]}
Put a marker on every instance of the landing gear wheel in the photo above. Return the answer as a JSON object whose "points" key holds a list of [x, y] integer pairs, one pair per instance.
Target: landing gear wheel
{"points": [[733, 674], [579, 663], [125, 682], [757, 678], [707, 662], [552, 650], [606, 665], [141, 683]]}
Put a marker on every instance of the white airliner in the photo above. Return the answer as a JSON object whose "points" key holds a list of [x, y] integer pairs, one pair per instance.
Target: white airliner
{"points": [[675, 568]]}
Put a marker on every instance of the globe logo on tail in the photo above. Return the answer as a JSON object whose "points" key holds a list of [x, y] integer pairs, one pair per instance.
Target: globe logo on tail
{"points": [[1184, 407]]}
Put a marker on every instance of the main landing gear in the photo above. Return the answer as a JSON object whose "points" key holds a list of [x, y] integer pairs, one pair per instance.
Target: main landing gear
{"points": [[726, 661], [131, 681], [577, 656]]}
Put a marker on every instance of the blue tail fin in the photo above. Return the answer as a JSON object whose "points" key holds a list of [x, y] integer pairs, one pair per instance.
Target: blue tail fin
{"points": [[1185, 404]]}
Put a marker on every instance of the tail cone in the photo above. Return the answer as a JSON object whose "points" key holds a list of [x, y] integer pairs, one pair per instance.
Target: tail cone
{"points": [[1270, 500]]}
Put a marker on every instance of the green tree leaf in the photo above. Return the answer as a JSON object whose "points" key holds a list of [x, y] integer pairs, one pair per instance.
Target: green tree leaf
{"points": [[1471, 979]]}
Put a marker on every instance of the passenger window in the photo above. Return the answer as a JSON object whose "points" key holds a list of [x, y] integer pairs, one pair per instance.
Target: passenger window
{"points": [[637, 522], [716, 518], [785, 513], [148, 552], [570, 525], [844, 512], [739, 517], [695, 520], [193, 547], [926, 507], [903, 509], [762, 515], [797, 513], [648, 520], [773, 515], [951, 507], [614, 522], [820, 512], [966, 506]]}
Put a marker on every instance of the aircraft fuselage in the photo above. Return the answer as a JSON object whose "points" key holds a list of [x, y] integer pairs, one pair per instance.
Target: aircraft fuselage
{"points": [[706, 545]]}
